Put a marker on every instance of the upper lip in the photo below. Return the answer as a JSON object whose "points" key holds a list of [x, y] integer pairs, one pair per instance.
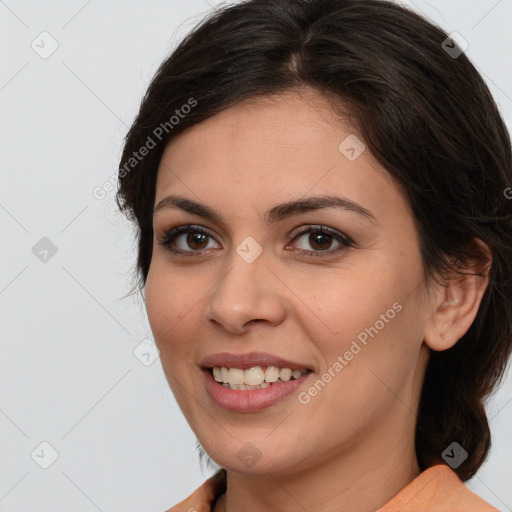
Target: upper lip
{"points": [[248, 360]]}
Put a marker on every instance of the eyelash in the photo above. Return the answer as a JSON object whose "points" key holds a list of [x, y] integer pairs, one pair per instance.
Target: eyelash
{"points": [[167, 239]]}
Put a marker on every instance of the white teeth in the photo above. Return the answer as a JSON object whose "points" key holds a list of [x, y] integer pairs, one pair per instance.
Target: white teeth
{"points": [[245, 386], [296, 374], [271, 374], [255, 377], [285, 373], [236, 376]]}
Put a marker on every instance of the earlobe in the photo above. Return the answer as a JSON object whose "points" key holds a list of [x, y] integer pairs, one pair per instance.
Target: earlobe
{"points": [[457, 307]]}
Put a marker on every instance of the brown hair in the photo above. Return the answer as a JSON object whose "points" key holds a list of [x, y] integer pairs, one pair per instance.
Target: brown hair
{"points": [[425, 114]]}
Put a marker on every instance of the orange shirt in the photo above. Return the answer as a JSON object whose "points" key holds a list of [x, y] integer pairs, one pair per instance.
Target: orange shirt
{"points": [[437, 489]]}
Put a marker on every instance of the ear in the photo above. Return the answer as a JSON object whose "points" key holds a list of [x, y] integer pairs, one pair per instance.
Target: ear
{"points": [[456, 304]]}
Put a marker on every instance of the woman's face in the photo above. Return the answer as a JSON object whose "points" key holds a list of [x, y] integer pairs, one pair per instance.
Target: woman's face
{"points": [[354, 314]]}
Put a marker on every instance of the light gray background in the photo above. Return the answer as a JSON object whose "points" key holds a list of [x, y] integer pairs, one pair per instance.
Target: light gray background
{"points": [[68, 374]]}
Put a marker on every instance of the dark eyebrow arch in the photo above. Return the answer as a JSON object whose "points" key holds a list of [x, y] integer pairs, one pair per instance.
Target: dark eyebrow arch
{"points": [[275, 214]]}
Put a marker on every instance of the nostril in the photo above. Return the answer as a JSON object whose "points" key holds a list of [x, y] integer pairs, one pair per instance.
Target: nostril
{"points": [[254, 320]]}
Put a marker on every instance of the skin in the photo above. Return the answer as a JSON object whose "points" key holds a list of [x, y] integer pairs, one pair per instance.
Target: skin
{"points": [[352, 446]]}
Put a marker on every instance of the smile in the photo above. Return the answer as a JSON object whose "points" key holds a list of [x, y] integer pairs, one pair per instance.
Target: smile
{"points": [[257, 377]]}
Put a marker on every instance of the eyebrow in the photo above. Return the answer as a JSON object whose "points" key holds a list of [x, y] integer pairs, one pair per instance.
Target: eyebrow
{"points": [[275, 214]]}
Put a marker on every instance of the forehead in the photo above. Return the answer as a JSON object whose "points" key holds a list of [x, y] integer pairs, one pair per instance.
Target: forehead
{"points": [[288, 146]]}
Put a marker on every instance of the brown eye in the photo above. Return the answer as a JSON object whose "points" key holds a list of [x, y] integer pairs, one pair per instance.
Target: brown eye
{"points": [[320, 239], [195, 240]]}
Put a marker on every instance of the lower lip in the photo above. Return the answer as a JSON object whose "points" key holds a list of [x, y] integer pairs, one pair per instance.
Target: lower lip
{"points": [[253, 399]]}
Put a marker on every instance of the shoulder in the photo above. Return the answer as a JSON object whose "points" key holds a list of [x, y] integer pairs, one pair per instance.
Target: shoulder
{"points": [[437, 489], [204, 496]]}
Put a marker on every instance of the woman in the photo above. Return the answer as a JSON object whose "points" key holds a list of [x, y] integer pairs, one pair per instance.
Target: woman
{"points": [[325, 248]]}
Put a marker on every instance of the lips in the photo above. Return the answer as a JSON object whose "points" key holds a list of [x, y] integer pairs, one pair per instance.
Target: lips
{"points": [[251, 400], [250, 359]]}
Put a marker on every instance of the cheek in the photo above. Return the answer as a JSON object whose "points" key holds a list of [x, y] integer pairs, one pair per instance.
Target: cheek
{"points": [[170, 313], [368, 313], [155, 301], [166, 305], [367, 364], [354, 298]]}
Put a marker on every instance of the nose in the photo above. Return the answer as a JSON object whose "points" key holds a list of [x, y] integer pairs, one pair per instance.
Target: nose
{"points": [[248, 293]]}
